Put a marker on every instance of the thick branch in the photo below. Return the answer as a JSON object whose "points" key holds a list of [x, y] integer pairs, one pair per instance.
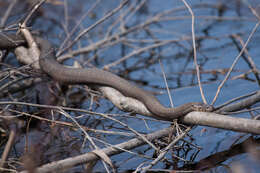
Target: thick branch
{"points": [[89, 157], [223, 122], [195, 118]]}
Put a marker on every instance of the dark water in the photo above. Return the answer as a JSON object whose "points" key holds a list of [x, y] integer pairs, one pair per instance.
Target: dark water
{"points": [[215, 51]]}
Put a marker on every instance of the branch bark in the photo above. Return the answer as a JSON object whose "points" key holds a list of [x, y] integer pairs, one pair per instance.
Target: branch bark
{"points": [[222, 121]]}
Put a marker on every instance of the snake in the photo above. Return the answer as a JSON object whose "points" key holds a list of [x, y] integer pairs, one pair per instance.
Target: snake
{"points": [[67, 75]]}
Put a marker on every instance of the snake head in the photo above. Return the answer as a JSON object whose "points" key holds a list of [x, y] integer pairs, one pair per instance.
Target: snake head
{"points": [[201, 107]]}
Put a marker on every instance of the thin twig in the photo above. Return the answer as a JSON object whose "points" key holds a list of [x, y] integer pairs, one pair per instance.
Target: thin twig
{"points": [[7, 13], [104, 160], [194, 50], [77, 25], [166, 83], [234, 63], [94, 25], [32, 11], [165, 151]]}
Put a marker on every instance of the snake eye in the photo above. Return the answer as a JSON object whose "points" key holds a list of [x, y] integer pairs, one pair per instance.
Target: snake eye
{"points": [[197, 107], [210, 108]]}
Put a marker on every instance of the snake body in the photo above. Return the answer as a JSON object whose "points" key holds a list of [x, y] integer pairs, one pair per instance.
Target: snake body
{"points": [[96, 76]]}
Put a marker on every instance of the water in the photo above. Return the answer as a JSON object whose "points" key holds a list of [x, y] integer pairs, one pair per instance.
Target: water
{"points": [[215, 51]]}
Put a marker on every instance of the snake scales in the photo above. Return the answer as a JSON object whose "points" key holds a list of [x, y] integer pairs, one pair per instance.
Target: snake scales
{"points": [[96, 76]]}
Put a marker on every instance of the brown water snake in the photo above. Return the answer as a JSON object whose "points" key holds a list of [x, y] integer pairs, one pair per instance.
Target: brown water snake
{"points": [[96, 76]]}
